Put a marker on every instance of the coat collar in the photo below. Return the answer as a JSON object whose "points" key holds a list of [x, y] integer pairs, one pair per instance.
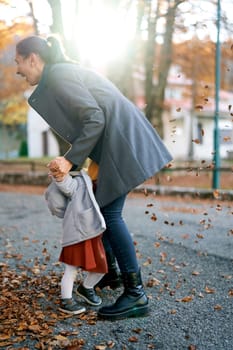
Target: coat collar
{"points": [[43, 80]]}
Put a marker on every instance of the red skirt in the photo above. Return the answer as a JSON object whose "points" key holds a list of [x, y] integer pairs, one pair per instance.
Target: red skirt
{"points": [[88, 255]]}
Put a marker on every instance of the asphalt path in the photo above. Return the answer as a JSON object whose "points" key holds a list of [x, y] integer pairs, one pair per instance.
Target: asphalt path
{"points": [[185, 249]]}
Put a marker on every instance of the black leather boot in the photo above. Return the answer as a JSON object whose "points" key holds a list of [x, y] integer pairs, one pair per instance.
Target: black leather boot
{"points": [[132, 303], [113, 278]]}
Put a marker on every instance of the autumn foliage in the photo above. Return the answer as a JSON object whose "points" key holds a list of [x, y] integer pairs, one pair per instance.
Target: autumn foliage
{"points": [[13, 107]]}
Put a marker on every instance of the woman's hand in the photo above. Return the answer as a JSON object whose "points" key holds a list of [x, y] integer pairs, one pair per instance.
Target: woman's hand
{"points": [[59, 167]]}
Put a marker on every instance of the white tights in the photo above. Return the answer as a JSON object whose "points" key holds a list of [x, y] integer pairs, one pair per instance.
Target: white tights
{"points": [[67, 281]]}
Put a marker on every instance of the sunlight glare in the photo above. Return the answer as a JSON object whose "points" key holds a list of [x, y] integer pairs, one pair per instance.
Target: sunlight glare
{"points": [[101, 34]]}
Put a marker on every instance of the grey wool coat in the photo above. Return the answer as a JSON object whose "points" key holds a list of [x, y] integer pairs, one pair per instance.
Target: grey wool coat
{"points": [[99, 122], [73, 200]]}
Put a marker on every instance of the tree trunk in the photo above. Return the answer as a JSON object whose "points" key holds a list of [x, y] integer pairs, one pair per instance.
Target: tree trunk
{"points": [[156, 96], [57, 25], [150, 59]]}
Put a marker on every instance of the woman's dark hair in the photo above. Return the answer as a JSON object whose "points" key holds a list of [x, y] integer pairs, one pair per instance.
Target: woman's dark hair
{"points": [[50, 50]]}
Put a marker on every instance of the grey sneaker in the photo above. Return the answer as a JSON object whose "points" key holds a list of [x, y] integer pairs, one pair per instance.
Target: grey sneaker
{"points": [[89, 295], [69, 306]]}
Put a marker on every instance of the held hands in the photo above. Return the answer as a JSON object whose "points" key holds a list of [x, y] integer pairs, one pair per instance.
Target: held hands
{"points": [[59, 168]]}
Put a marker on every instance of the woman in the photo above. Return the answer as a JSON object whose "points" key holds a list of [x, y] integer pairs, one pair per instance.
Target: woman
{"points": [[99, 123]]}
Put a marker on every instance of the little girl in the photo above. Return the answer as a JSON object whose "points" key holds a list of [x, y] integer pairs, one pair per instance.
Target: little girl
{"points": [[72, 199]]}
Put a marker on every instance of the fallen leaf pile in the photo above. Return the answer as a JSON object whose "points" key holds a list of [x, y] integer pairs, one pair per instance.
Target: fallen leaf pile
{"points": [[28, 310]]}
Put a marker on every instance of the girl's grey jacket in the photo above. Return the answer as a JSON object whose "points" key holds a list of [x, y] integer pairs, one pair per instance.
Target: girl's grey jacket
{"points": [[99, 122], [73, 200]]}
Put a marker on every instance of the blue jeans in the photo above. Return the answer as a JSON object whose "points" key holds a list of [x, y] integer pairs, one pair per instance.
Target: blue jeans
{"points": [[117, 238]]}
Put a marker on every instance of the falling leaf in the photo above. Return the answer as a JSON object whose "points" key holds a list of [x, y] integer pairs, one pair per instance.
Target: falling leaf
{"points": [[153, 217], [216, 194], [137, 330], [173, 312], [110, 344], [186, 299], [133, 339], [148, 262], [44, 251], [217, 307], [209, 290], [192, 347], [218, 207], [229, 107], [195, 273], [100, 347], [197, 141], [227, 277], [152, 282], [178, 109], [185, 236], [163, 256], [200, 107]]}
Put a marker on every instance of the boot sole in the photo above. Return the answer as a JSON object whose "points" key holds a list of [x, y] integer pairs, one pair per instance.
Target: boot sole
{"points": [[136, 312]]}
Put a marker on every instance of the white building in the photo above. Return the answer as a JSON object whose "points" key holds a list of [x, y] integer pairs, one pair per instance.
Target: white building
{"points": [[41, 141], [189, 132]]}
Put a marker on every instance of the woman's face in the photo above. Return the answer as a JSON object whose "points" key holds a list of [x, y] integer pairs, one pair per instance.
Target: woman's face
{"points": [[29, 67]]}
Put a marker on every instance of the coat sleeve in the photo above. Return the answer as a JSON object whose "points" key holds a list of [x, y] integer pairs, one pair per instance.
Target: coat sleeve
{"points": [[68, 186], [72, 93]]}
